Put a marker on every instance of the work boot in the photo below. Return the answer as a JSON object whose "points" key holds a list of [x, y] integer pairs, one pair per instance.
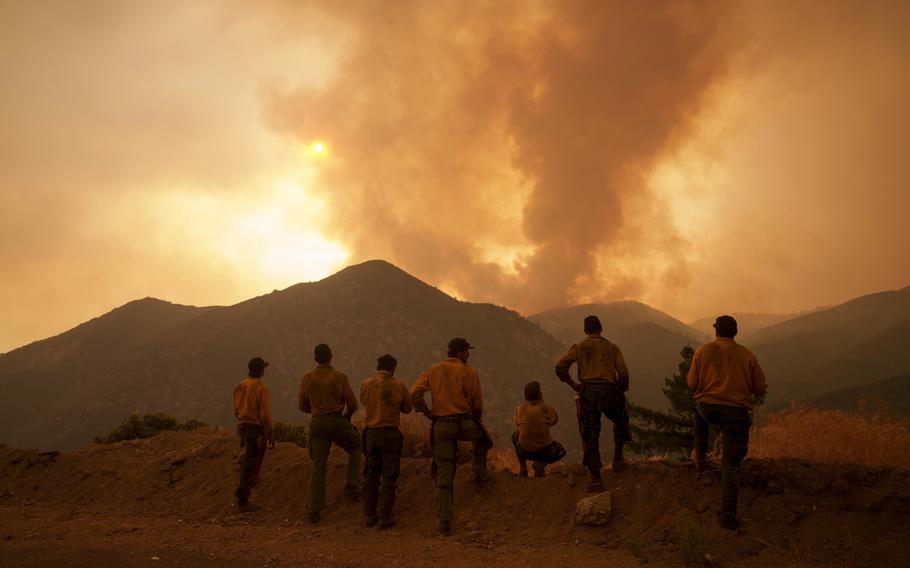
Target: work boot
{"points": [[371, 521], [540, 469], [596, 485], [246, 507], [351, 494], [619, 464], [313, 518], [522, 468], [730, 523], [702, 465], [485, 481], [388, 522], [445, 527]]}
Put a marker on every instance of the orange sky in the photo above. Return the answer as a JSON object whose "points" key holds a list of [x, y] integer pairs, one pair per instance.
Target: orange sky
{"points": [[702, 158]]}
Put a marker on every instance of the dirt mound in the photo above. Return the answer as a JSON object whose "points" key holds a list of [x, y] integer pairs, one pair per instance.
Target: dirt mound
{"points": [[177, 488]]}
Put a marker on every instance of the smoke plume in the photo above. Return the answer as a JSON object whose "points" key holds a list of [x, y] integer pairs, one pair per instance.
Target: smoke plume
{"points": [[499, 151]]}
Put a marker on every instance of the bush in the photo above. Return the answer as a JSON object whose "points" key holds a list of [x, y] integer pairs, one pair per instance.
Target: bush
{"points": [[285, 432], [870, 436], [137, 427]]}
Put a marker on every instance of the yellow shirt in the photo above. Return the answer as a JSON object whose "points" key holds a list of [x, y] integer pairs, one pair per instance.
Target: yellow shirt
{"points": [[253, 404], [597, 359], [725, 372], [384, 398], [326, 391], [534, 419], [454, 386]]}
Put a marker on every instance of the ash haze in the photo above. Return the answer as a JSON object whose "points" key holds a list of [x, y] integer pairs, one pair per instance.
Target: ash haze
{"points": [[700, 157]]}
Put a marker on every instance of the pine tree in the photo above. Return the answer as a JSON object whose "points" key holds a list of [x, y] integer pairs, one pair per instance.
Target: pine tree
{"points": [[660, 432]]}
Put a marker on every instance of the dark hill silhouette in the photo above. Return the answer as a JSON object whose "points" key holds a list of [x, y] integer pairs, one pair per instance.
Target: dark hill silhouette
{"points": [[189, 367], [857, 342], [48, 384], [650, 341], [893, 393]]}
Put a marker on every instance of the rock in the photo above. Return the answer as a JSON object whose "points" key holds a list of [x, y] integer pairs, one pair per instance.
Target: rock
{"points": [[594, 511]]}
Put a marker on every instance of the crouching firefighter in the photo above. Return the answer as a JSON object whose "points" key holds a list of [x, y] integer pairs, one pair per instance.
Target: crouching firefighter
{"points": [[456, 414], [603, 379]]}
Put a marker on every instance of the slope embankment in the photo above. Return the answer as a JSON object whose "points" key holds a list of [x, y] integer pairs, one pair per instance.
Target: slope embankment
{"points": [[170, 498]]}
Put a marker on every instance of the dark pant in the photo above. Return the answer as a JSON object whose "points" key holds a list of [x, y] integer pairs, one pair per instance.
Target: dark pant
{"points": [[326, 430], [251, 440], [734, 423], [596, 399], [447, 432], [382, 450], [547, 455]]}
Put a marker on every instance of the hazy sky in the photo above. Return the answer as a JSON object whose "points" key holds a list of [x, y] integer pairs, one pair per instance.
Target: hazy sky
{"points": [[702, 158]]}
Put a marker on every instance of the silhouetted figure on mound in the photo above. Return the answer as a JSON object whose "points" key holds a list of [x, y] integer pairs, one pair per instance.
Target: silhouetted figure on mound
{"points": [[603, 378], [253, 410], [384, 398], [326, 394], [532, 440], [456, 414], [724, 377]]}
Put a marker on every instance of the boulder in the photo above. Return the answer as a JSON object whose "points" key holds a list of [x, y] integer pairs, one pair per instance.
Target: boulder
{"points": [[594, 511]]}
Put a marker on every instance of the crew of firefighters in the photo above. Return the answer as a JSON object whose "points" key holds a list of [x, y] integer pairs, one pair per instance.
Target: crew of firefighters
{"points": [[724, 377]]}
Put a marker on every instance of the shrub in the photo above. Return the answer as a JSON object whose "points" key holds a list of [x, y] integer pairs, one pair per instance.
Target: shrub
{"points": [[870, 436], [137, 427], [285, 432]]}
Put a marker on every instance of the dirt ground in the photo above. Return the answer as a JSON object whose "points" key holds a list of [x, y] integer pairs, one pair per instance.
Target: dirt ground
{"points": [[168, 500]]}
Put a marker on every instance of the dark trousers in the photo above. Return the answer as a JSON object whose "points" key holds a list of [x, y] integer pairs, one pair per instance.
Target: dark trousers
{"points": [[382, 450], [734, 423], [601, 398], [447, 432], [252, 442], [549, 454], [325, 430]]}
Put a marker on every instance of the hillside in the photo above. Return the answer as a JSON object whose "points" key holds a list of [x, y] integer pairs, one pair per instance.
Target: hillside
{"points": [[168, 501], [67, 389], [857, 342], [893, 393], [650, 341]]}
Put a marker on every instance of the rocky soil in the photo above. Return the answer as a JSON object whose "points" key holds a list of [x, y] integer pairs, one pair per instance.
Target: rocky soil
{"points": [[168, 501]]}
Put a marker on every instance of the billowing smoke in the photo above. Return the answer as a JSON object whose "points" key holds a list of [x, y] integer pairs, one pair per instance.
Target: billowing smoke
{"points": [[499, 150]]}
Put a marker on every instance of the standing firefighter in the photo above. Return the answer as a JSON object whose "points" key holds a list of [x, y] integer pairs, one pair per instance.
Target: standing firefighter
{"points": [[253, 409], [326, 394], [532, 440], [456, 413], [603, 378], [384, 397], [724, 377]]}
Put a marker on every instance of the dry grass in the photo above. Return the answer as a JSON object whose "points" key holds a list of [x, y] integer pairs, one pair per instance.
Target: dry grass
{"points": [[870, 436]]}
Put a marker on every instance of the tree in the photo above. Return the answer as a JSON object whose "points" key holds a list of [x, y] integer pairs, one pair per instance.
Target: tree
{"points": [[660, 432]]}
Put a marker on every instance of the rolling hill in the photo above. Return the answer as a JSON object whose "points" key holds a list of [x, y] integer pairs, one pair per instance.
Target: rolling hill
{"points": [[152, 356], [893, 392], [857, 342]]}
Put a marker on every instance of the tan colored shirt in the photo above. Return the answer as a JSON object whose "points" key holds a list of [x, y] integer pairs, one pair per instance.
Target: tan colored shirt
{"points": [[454, 386], [597, 359], [534, 419], [384, 398], [325, 390], [725, 372], [253, 404]]}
